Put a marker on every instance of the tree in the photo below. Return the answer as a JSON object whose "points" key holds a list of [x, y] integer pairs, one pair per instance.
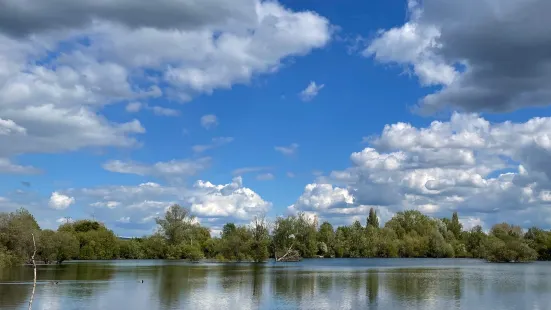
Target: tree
{"points": [[455, 226], [176, 225], [284, 241], [326, 235], [236, 242], [540, 241], [46, 248], [372, 219], [16, 230], [66, 246], [261, 239]]}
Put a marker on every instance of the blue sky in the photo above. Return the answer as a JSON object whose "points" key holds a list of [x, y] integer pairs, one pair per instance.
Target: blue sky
{"points": [[95, 106]]}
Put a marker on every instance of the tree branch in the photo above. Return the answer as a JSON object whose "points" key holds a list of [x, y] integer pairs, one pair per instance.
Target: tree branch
{"points": [[34, 267]]}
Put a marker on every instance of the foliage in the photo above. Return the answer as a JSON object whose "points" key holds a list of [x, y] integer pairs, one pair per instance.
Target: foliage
{"points": [[372, 219], [177, 225], [407, 234]]}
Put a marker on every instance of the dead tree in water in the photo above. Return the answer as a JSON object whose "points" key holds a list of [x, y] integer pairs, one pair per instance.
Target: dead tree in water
{"points": [[34, 282], [291, 255]]}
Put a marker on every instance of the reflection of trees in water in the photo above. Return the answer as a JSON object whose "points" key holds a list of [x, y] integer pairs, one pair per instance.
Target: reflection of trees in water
{"points": [[372, 287], [258, 274], [18, 294], [416, 286], [13, 296], [178, 283], [293, 284]]}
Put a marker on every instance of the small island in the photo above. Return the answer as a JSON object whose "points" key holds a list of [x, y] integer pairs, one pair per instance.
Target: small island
{"points": [[410, 234]]}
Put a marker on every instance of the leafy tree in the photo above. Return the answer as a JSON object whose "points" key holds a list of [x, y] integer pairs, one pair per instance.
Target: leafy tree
{"points": [[260, 239], [455, 226], [406, 222], [66, 246], [539, 240], [131, 249], [46, 246], [176, 225], [326, 236], [236, 242], [16, 231], [372, 219]]}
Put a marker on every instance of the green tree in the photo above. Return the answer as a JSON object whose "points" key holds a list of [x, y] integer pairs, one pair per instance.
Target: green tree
{"points": [[372, 219], [326, 236], [260, 239], [236, 242], [16, 229], [539, 240], [46, 246], [455, 226], [176, 225], [66, 246]]}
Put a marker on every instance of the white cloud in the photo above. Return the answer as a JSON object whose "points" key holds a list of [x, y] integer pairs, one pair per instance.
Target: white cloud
{"points": [[216, 142], [228, 200], [60, 202], [290, 175], [124, 220], [214, 205], [9, 127], [311, 91], [245, 170], [496, 66], [209, 121], [62, 220], [134, 107], [106, 204], [466, 164], [53, 88], [173, 168], [265, 177], [287, 150], [6, 166], [164, 111]]}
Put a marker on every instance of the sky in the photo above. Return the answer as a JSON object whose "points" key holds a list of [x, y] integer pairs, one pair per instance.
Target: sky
{"points": [[116, 109]]}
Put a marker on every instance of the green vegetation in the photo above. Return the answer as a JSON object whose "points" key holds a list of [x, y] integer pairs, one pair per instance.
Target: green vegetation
{"points": [[179, 236]]}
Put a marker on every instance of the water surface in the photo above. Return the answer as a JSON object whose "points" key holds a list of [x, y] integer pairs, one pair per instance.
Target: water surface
{"points": [[311, 284]]}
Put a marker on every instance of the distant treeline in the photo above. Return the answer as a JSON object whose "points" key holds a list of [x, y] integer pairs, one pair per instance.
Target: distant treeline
{"points": [[179, 236]]}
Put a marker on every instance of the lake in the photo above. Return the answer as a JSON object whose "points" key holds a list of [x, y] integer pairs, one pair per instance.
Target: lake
{"points": [[311, 284]]}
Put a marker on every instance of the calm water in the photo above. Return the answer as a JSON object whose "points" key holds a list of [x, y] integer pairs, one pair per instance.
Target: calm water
{"points": [[311, 284]]}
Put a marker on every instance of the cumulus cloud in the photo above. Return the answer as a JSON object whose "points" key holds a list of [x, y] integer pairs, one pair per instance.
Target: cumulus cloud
{"points": [[59, 201], [54, 86], [173, 168], [466, 164], [287, 150], [209, 121], [487, 56], [213, 204], [311, 91]]}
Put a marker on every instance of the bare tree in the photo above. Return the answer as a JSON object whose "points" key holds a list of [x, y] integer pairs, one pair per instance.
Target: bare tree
{"points": [[34, 267]]}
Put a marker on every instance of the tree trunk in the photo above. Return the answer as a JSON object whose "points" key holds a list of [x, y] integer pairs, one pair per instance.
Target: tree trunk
{"points": [[34, 282]]}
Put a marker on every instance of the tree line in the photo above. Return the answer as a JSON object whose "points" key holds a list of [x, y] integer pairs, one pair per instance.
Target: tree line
{"points": [[408, 234]]}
